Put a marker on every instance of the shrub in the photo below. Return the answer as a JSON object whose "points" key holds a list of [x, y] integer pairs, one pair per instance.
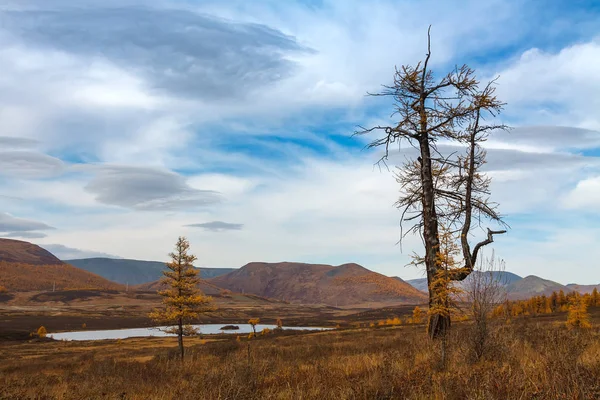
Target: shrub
{"points": [[578, 317], [42, 332]]}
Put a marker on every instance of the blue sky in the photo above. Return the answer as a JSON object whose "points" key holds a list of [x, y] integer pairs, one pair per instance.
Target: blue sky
{"points": [[125, 125]]}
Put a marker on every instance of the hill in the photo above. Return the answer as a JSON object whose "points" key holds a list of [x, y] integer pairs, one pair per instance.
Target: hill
{"points": [[504, 278], [344, 285], [533, 286], [134, 272], [25, 266], [18, 251], [583, 289], [206, 287], [25, 277], [420, 283]]}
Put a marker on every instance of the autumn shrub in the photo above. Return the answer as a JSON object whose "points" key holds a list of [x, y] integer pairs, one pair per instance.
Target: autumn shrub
{"points": [[417, 316], [578, 316], [42, 332]]}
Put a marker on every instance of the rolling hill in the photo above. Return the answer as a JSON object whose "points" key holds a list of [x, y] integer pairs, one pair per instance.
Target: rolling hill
{"points": [[517, 288], [18, 251], [206, 287], [420, 283], [504, 278], [344, 285], [133, 272], [533, 286], [583, 289], [25, 266]]}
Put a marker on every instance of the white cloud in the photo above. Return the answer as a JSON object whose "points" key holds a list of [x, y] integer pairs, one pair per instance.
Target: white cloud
{"points": [[554, 88], [585, 196]]}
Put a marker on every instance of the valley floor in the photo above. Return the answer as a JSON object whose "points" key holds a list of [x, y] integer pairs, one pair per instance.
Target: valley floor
{"points": [[60, 311], [529, 358]]}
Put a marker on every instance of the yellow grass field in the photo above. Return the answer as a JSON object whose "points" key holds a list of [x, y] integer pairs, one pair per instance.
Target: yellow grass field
{"points": [[530, 358]]}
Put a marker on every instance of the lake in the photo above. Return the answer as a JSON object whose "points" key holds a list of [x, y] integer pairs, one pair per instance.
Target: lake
{"points": [[205, 329]]}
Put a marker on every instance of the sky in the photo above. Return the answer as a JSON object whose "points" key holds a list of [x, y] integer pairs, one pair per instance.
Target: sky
{"points": [[124, 125]]}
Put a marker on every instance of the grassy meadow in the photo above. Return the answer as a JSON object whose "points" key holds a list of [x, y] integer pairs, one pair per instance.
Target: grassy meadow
{"points": [[528, 358]]}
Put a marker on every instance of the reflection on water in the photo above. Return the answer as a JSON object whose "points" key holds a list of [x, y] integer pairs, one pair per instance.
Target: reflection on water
{"points": [[205, 329]]}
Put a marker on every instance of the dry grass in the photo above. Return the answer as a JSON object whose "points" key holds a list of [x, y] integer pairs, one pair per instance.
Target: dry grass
{"points": [[528, 360]]}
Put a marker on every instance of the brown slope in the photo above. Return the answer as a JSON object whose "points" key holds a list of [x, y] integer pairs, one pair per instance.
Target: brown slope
{"points": [[25, 266], [206, 287], [344, 285], [25, 277], [18, 251]]}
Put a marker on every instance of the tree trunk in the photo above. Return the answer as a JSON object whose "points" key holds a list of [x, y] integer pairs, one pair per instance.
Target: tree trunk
{"points": [[180, 337], [437, 324]]}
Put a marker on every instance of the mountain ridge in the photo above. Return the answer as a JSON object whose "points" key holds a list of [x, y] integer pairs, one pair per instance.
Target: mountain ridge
{"points": [[342, 285], [133, 272]]}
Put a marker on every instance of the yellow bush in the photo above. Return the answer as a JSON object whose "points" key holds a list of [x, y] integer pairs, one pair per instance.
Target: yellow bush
{"points": [[42, 332], [578, 316], [417, 317]]}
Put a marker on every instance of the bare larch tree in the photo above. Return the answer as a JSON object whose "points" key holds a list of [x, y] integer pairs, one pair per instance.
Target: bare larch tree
{"points": [[442, 187]]}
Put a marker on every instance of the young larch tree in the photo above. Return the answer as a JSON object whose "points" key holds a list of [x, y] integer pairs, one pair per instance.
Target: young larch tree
{"points": [[578, 316], [182, 300], [442, 187]]}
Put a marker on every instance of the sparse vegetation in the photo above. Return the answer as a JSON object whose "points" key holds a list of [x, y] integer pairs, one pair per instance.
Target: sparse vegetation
{"points": [[531, 359]]}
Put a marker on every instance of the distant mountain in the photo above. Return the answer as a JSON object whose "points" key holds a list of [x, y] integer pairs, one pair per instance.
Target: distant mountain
{"points": [[533, 286], [583, 289], [25, 266], [347, 284], [504, 278], [419, 283], [134, 272]]}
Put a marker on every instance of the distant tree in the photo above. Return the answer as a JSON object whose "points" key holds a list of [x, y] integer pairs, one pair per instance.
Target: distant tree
{"points": [[279, 324], [42, 332], [578, 317], [182, 300], [595, 298], [417, 315], [253, 322], [562, 299], [442, 189]]}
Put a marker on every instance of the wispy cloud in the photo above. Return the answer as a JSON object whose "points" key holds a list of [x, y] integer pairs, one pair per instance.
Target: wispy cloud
{"points": [[217, 226], [147, 189], [70, 253], [9, 223]]}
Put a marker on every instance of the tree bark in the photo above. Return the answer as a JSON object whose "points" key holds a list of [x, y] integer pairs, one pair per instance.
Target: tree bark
{"points": [[180, 338], [437, 324]]}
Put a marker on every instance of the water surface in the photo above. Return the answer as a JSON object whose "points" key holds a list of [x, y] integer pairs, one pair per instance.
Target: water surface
{"points": [[205, 329]]}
